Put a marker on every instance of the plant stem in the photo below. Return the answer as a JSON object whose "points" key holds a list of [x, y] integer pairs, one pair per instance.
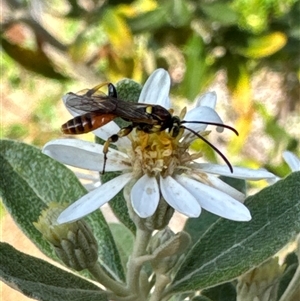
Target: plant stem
{"points": [[160, 284], [135, 265], [110, 284]]}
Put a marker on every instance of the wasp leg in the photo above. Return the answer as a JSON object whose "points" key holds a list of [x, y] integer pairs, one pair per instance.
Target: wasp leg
{"points": [[114, 138]]}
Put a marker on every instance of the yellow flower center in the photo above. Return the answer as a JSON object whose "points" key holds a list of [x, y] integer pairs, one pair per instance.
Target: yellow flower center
{"points": [[158, 153]]}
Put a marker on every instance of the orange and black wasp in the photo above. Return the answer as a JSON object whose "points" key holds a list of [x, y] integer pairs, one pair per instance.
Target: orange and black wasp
{"points": [[97, 109]]}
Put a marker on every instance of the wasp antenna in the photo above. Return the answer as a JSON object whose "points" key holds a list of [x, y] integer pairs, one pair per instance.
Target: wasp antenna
{"points": [[212, 146], [212, 123], [92, 91]]}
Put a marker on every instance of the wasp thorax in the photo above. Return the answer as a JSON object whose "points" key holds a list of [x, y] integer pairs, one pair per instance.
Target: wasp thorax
{"points": [[156, 153]]}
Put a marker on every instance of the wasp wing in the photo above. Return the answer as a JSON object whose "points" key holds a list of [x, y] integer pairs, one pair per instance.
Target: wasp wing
{"points": [[100, 103], [80, 104], [141, 112]]}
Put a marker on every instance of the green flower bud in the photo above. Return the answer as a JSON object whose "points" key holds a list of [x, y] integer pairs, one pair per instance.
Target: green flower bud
{"points": [[74, 243], [128, 90], [261, 283], [167, 247]]}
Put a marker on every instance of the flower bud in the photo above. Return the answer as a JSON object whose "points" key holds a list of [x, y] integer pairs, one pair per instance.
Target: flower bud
{"points": [[261, 283], [74, 243], [167, 248], [128, 89]]}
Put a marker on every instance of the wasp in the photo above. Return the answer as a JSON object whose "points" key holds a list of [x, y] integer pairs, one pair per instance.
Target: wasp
{"points": [[96, 109]]}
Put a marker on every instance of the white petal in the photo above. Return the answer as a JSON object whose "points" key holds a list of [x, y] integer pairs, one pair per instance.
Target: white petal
{"points": [[156, 89], [208, 99], [238, 172], [220, 185], [292, 161], [86, 155], [145, 196], [94, 199], [216, 201], [273, 180], [179, 198], [203, 114]]}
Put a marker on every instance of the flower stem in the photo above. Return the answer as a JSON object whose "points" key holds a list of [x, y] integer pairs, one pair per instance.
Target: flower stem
{"points": [[110, 284], [160, 284], [135, 265]]}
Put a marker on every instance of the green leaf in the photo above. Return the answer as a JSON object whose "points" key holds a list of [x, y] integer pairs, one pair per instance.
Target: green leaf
{"points": [[149, 21], [228, 249], [272, 128], [197, 226], [2, 211], [174, 13], [197, 74], [40, 280], [30, 180], [220, 12], [35, 61], [118, 2], [109, 256], [124, 241], [262, 46], [179, 12], [115, 27], [217, 293], [201, 298], [238, 184]]}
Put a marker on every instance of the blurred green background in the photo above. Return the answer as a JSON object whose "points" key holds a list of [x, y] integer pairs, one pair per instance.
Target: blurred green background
{"points": [[245, 50]]}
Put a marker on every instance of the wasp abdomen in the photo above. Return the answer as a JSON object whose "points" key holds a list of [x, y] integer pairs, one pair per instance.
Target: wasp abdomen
{"points": [[78, 125], [86, 123]]}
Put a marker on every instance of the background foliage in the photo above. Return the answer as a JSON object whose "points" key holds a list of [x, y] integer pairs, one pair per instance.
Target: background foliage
{"points": [[248, 51]]}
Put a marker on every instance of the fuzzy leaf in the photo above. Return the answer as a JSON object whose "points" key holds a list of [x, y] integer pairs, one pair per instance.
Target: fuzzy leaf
{"points": [[197, 226], [40, 280], [228, 249], [124, 240], [29, 180], [218, 292]]}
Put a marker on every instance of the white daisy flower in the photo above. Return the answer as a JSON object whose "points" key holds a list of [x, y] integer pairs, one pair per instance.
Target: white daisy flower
{"points": [[158, 164], [292, 161]]}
